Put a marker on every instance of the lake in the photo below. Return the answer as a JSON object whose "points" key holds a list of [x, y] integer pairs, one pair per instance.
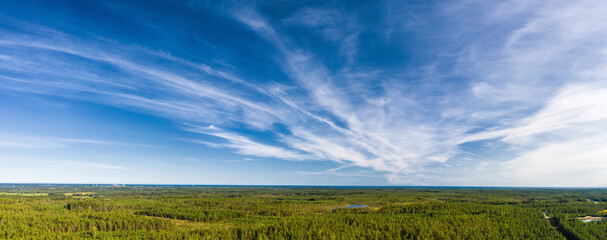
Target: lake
{"points": [[352, 206], [357, 206]]}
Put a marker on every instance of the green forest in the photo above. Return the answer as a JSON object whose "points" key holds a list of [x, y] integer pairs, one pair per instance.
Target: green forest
{"points": [[269, 212]]}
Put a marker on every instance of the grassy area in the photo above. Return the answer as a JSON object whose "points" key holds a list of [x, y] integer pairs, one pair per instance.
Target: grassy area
{"points": [[79, 194], [23, 194]]}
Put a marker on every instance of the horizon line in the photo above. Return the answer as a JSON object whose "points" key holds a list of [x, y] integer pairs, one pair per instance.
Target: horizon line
{"points": [[294, 185]]}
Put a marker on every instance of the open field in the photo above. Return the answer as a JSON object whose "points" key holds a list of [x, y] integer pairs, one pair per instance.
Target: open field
{"points": [[23, 194], [169, 212]]}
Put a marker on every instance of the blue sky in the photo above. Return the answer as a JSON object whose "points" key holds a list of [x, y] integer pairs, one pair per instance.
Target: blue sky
{"points": [[464, 93]]}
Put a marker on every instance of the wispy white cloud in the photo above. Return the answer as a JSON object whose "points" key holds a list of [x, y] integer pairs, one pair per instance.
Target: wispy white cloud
{"points": [[575, 106], [363, 134], [510, 83], [562, 144], [546, 87], [333, 25], [535, 85], [332, 172], [29, 141], [16, 141], [247, 146], [196, 92]]}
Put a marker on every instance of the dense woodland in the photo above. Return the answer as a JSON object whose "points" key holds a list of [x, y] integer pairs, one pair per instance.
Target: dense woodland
{"points": [[178, 212]]}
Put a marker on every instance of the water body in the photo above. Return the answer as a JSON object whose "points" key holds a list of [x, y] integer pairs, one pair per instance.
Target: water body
{"points": [[357, 206], [592, 220], [588, 219], [352, 206]]}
